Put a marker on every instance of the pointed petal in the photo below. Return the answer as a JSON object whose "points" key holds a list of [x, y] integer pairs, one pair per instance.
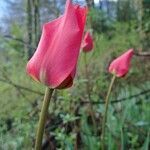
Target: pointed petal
{"points": [[58, 50], [120, 66], [87, 45]]}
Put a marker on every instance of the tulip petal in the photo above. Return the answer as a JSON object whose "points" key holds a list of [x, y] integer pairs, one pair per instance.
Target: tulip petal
{"points": [[120, 66], [87, 44], [55, 59]]}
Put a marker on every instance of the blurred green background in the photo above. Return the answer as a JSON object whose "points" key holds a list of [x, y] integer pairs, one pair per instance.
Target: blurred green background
{"points": [[116, 27]]}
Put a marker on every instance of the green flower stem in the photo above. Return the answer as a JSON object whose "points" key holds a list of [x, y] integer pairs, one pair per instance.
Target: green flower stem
{"points": [[106, 110], [89, 92], [87, 77], [43, 115]]}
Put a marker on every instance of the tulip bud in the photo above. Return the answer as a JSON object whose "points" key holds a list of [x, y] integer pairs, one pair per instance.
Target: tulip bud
{"points": [[120, 66], [87, 45]]}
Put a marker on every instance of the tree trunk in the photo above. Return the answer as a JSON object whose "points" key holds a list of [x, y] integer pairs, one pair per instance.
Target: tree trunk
{"points": [[36, 22], [145, 25], [29, 28], [90, 3]]}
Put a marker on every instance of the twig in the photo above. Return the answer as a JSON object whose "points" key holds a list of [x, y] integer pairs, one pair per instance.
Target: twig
{"points": [[82, 102], [20, 87], [89, 91], [122, 99], [18, 40], [144, 54]]}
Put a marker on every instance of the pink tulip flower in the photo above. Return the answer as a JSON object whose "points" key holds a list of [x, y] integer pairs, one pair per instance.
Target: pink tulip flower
{"points": [[54, 62], [120, 66], [87, 45]]}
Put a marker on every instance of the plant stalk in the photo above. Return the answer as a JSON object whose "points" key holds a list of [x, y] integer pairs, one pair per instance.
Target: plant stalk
{"points": [[42, 120], [106, 110], [89, 92]]}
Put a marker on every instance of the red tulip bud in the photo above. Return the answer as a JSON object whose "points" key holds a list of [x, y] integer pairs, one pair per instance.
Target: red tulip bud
{"points": [[87, 45], [120, 66], [54, 62]]}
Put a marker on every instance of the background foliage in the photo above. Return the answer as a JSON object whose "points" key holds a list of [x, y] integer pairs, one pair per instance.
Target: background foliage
{"points": [[69, 121]]}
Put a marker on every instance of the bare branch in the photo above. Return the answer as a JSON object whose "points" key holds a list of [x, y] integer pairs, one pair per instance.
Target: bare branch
{"points": [[144, 54], [18, 40], [122, 99], [20, 87]]}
